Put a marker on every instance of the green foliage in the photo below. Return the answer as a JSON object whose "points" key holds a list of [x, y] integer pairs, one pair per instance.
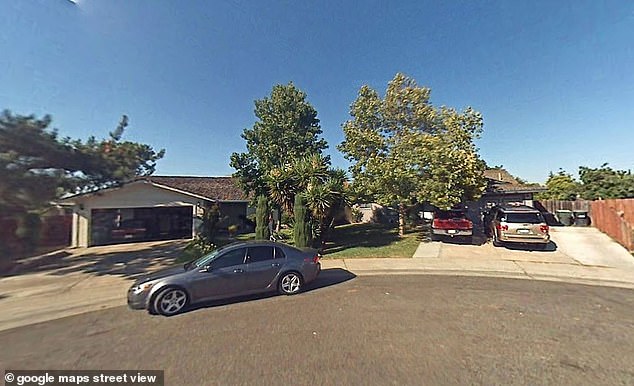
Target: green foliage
{"points": [[561, 186], [287, 128], [198, 247], [404, 150], [357, 215], [233, 229], [262, 214], [605, 182], [324, 189], [210, 220], [36, 166], [301, 229]]}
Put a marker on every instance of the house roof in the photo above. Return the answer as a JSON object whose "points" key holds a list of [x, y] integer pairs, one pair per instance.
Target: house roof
{"points": [[208, 188], [500, 180], [214, 188]]}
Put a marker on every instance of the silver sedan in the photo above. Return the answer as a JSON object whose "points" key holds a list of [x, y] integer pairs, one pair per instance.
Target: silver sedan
{"points": [[234, 270]]}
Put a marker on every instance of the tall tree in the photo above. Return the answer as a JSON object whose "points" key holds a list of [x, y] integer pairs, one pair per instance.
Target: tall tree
{"points": [[561, 186], [301, 228], [323, 187], [36, 166], [287, 128], [604, 182], [262, 219], [403, 149]]}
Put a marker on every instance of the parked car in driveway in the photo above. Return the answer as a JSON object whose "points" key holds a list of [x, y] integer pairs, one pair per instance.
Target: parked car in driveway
{"points": [[518, 224], [451, 223], [129, 229], [237, 269]]}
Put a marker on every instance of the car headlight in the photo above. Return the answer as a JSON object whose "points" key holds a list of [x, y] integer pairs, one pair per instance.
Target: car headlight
{"points": [[143, 287]]}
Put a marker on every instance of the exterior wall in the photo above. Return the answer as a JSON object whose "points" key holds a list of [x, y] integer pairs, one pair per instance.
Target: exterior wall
{"points": [[376, 213], [135, 195], [490, 199], [231, 213]]}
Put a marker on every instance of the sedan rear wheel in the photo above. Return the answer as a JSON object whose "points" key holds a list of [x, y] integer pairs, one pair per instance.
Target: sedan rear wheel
{"points": [[170, 302], [290, 283]]}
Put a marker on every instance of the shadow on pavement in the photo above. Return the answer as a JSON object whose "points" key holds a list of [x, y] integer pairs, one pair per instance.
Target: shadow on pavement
{"points": [[98, 261], [550, 247], [327, 278], [476, 239]]}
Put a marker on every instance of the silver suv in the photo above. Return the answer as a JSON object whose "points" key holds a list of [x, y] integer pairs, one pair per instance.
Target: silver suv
{"points": [[518, 224]]}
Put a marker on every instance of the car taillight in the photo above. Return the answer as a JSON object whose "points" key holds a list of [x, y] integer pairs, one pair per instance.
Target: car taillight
{"points": [[502, 227], [544, 228], [315, 259]]}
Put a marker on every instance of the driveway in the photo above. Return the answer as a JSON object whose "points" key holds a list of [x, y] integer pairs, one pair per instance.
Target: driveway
{"points": [[79, 280], [575, 253]]}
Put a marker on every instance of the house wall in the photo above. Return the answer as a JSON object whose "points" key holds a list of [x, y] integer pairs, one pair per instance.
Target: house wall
{"points": [[136, 195], [231, 213]]}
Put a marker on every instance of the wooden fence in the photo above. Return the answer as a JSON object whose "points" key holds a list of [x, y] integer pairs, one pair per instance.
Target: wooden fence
{"points": [[553, 206], [616, 219], [55, 231]]}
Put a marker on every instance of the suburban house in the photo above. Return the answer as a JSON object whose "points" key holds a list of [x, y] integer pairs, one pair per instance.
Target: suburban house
{"points": [[502, 189], [153, 208]]}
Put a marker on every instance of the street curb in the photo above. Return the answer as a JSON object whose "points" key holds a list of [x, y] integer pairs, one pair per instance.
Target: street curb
{"points": [[497, 274]]}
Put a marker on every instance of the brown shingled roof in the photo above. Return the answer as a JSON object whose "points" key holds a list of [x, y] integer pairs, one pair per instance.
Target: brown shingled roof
{"points": [[215, 188], [502, 181], [500, 175]]}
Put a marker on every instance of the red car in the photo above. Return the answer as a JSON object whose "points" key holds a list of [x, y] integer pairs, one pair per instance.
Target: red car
{"points": [[129, 230], [451, 223]]}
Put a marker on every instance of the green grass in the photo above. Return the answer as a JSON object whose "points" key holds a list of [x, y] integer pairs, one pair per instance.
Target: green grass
{"points": [[370, 240], [346, 242]]}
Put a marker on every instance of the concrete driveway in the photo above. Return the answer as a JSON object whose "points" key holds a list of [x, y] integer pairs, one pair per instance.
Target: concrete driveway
{"points": [[577, 254], [79, 280]]}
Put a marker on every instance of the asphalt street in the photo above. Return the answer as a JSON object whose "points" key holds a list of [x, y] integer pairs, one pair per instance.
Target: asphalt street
{"points": [[366, 330]]}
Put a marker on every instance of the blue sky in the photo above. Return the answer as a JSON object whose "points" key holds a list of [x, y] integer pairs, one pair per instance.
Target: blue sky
{"points": [[554, 80]]}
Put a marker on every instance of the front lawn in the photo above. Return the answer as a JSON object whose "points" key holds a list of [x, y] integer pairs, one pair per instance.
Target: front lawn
{"points": [[346, 242], [370, 240]]}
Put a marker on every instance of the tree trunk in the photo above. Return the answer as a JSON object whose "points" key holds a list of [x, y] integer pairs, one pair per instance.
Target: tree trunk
{"points": [[401, 220]]}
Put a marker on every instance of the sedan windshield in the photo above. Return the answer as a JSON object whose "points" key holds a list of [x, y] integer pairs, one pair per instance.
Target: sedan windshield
{"points": [[206, 259], [524, 218]]}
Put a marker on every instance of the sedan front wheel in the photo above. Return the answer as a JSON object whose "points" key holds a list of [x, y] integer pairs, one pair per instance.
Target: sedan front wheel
{"points": [[170, 301]]}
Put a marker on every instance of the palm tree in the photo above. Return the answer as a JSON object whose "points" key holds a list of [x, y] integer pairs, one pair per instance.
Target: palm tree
{"points": [[324, 188]]}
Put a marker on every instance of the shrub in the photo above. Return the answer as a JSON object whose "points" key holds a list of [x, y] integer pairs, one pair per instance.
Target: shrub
{"points": [[233, 229], [198, 247], [262, 219], [301, 230]]}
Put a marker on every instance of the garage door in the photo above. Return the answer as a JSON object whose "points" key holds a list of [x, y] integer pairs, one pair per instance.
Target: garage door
{"points": [[126, 225]]}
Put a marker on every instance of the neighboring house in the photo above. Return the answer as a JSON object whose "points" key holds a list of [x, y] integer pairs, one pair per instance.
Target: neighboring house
{"points": [[153, 208], [502, 189], [373, 213]]}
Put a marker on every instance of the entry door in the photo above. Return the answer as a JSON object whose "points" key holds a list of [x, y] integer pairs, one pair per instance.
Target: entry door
{"points": [[226, 276]]}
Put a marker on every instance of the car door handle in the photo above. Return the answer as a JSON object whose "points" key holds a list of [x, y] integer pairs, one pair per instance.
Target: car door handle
{"points": [[275, 265], [238, 270]]}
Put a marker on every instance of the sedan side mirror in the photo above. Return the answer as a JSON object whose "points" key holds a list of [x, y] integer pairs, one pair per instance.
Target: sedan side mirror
{"points": [[206, 268]]}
